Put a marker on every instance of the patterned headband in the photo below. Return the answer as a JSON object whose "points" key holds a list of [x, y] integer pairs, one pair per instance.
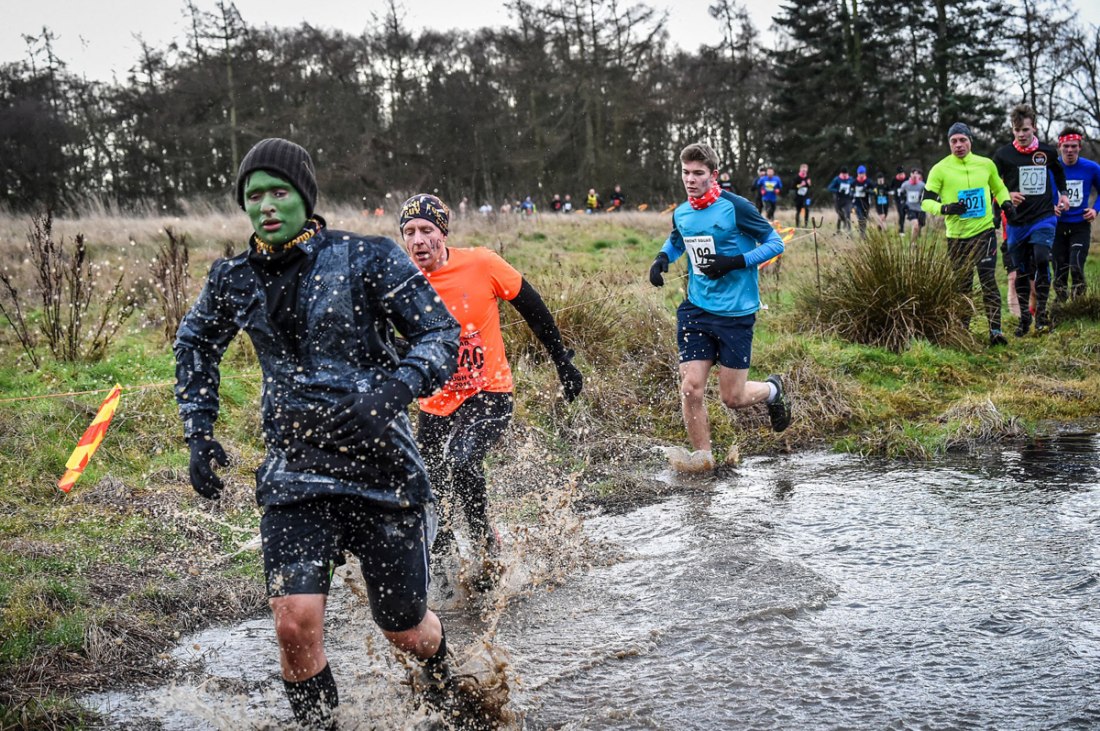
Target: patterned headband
{"points": [[427, 207], [1069, 138]]}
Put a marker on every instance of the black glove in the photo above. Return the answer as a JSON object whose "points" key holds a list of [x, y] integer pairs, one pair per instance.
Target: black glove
{"points": [[716, 266], [571, 380], [953, 209], [1009, 209], [203, 478], [363, 417], [660, 266]]}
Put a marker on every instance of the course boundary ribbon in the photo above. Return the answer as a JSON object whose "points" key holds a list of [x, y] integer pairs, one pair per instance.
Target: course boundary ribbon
{"points": [[91, 440]]}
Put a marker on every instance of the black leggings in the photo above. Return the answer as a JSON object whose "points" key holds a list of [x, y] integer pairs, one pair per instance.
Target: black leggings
{"points": [[1071, 249], [454, 448], [979, 251], [844, 215]]}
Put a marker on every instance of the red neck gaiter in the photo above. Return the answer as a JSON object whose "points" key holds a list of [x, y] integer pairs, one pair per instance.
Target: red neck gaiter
{"points": [[1030, 148], [706, 198]]}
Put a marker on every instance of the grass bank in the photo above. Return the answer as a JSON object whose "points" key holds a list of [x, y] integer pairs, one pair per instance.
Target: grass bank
{"points": [[95, 585]]}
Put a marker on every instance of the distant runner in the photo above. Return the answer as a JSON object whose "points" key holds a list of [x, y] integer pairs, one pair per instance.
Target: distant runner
{"points": [[861, 199], [725, 240], [772, 186], [841, 188], [899, 198], [912, 191], [880, 194], [803, 198]]}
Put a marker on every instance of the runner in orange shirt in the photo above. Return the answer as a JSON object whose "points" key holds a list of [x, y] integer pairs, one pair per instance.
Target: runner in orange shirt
{"points": [[461, 422]]}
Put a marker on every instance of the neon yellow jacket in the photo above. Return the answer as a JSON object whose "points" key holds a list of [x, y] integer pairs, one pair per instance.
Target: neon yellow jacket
{"points": [[970, 180]]}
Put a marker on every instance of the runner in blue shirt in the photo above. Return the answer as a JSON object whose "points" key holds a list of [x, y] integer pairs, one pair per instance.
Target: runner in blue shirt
{"points": [[772, 185], [1074, 230], [725, 240]]}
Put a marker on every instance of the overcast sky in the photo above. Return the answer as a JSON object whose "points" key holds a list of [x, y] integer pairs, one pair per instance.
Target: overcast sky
{"points": [[96, 39]]}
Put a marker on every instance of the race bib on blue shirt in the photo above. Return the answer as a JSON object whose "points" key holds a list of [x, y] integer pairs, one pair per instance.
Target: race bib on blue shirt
{"points": [[974, 198], [698, 248], [1075, 191]]}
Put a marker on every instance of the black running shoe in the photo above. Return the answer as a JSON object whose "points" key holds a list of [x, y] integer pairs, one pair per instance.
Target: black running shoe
{"points": [[996, 337], [780, 409], [1023, 327]]}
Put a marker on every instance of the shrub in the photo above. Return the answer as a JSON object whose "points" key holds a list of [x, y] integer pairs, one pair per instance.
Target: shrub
{"points": [[67, 284], [170, 281], [887, 293]]}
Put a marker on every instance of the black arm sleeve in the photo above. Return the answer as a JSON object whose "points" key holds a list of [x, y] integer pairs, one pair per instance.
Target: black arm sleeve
{"points": [[930, 196], [530, 306]]}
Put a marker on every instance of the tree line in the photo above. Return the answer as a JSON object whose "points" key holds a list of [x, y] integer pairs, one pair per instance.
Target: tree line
{"points": [[571, 94]]}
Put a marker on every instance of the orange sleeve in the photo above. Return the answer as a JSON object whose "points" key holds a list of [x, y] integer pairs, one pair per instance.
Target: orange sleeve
{"points": [[506, 280]]}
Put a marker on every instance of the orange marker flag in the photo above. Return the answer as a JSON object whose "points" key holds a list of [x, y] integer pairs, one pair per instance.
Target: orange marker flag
{"points": [[786, 233], [88, 443]]}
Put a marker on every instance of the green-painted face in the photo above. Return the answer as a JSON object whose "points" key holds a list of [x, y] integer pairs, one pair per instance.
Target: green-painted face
{"points": [[276, 209]]}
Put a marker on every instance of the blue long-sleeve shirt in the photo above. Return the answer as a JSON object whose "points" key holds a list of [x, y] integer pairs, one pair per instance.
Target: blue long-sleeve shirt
{"points": [[1081, 179], [729, 226]]}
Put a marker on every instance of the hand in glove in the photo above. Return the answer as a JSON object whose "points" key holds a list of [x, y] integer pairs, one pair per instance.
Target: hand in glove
{"points": [[204, 479], [716, 266], [660, 266], [1009, 209], [953, 209], [363, 417], [571, 380]]}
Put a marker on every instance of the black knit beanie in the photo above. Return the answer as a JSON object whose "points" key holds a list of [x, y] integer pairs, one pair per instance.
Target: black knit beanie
{"points": [[287, 160], [959, 129]]}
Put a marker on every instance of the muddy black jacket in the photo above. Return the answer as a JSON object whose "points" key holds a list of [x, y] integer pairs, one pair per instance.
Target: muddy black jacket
{"points": [[357, 289]]}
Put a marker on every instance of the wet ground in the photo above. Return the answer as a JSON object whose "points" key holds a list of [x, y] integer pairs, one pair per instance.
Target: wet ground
{"points": [[812, 591]]}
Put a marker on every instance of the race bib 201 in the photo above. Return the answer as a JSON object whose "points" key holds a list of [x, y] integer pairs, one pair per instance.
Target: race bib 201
{"points": [[1033, 179]]}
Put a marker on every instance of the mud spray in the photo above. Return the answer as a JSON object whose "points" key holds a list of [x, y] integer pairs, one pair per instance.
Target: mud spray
{"points": [[229, 676]]}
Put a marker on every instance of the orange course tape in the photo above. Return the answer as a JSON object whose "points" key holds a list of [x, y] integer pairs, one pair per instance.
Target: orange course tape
{"points": [[91, 440]]}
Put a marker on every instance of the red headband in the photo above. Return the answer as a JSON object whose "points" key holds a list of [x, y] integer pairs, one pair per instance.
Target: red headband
{"points": [[1069, 138]]}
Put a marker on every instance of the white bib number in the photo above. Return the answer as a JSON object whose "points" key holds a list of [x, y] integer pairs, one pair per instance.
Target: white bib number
{"points": [[698, 249], [912, 198], [1033, 179], [1075, 191]]}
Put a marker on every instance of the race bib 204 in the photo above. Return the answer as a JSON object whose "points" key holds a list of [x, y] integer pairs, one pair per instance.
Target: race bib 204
{"points": [[974, 199], [698, 249], [1033, 179]]}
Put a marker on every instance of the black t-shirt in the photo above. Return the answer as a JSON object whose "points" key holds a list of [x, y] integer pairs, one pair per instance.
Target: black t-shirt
{"points": [[1030, 173], [802, 185]]}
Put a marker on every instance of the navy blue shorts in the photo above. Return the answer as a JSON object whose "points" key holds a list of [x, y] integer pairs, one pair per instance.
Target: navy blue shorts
{"points": [[704, 336], [304, 542]]}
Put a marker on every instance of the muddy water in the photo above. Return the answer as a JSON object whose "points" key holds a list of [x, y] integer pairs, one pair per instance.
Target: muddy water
{"points": [[814, 591]]}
